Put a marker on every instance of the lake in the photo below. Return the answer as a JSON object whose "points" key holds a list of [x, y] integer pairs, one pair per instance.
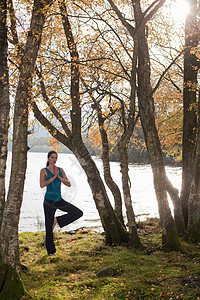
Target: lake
{"points": [[79, 194]]}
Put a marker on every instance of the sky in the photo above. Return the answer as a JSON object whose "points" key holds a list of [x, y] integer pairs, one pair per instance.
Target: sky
{"points": [[180, 9]]}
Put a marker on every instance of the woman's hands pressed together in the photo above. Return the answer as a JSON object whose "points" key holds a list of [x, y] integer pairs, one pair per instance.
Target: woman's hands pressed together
{"points": [[64, 178], [56, 171]]}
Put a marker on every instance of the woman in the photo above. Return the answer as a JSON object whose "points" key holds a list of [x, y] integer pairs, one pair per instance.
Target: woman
{"points": [[51, 177]]}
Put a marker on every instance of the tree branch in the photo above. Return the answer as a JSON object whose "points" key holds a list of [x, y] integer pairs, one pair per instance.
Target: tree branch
{"points": [[13, 24], [166, 70], [75, 73], [47, 124], [50, 105], [107, 23], [150, 7], [149, 16], [128, 26]]}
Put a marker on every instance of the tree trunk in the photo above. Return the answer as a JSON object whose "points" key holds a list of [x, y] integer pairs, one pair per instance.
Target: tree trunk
{"points": [[134, 237], [11, 286], [9, 230], [178, 213], [128, 127], [170, 237], [193, 230], [189, 104], [4, 103], [115, 232], [106, 165], [108, 178], [10, 283], [147, 115]]}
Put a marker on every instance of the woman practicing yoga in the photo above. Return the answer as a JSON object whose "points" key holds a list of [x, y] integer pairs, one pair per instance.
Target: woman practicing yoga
{"points": [[52, 177]]}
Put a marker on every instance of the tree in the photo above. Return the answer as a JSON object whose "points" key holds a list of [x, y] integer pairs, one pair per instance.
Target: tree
{"points": [[147, 116], [191, 129], [71, 137], [10, 283], [4, 103], [105, 154], [189, 104], [123, 142], [105, 79], [27, 57]]}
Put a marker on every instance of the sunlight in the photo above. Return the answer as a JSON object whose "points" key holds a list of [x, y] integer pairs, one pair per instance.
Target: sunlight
{"points": [[180, 9]]}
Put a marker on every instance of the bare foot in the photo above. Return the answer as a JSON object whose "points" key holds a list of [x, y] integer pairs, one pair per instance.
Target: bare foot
{"points": [[54, 223]]}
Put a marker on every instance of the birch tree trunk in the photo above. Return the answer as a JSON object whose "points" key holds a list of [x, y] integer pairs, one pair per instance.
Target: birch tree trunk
{"points": [[189, 104], [4, 103], [10, 283], [9, 229], [107, 175], [129, 125], [193, 230], [115, 232], [134, 237], [106, 163], [147, 115]]}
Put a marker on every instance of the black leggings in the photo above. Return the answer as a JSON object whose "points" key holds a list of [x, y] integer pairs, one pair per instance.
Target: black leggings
{"points": [[50, 207]]}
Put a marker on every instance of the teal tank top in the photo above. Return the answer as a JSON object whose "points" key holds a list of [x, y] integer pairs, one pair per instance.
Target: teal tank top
{"points": [[53, 191]]}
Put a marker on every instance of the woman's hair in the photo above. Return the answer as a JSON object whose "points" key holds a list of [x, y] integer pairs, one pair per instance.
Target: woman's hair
{"points": [[49, 154]]}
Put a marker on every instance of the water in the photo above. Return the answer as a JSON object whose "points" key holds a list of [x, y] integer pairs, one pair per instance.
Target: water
{"points": [[142, 191]]}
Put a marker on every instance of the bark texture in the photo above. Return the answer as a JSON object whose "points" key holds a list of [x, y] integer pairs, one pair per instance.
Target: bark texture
{"points": [[4, 103], [193, 230], [189, 104], [11, 286], [134, 237], [108, 178], [9, 230]]}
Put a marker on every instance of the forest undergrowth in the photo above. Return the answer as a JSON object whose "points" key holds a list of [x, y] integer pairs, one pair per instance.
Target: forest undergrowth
{"points": [[85, 268]]}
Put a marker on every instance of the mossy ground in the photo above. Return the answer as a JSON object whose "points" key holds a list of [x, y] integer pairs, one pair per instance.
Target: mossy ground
{"points": [[71, 274]]}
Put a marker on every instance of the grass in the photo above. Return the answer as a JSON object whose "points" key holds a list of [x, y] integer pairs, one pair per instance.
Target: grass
{"points": [[72, 273]]}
